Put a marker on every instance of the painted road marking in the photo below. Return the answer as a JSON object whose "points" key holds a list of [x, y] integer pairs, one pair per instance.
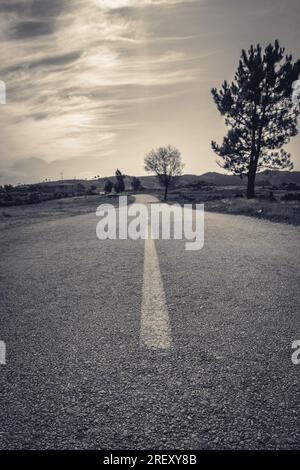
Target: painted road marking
{"points": [[155, 326], [2, 353]]}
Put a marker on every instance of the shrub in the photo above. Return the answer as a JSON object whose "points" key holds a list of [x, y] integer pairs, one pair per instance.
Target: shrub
{"points": [[108, 186], [117, 188], [120, 182], [34, 198], [291, 197], [136, 184]]}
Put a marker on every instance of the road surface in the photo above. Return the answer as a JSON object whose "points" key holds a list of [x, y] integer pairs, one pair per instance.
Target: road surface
{"points": [[214, 371]]}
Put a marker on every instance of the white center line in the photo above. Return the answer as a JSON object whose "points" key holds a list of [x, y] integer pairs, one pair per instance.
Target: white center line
{"points": [[155, 326], [2, 353]]}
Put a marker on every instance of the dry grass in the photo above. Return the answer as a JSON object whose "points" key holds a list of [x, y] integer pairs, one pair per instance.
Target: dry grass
{"points": [[231, 200], [54, 209], [277, 211]]}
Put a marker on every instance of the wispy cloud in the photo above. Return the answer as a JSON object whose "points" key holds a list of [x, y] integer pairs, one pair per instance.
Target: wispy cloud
{"points": [[116, 4], [87, 79], [71, 82]]}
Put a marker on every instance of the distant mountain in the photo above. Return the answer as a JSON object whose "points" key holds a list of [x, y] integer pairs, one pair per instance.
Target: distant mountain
{"points": [[220, 179], [267, 178], [276, 178]]}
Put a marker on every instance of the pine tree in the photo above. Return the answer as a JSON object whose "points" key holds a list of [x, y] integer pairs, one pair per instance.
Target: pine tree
{"points": [[259, 112], [108, 186], [120, 185]]}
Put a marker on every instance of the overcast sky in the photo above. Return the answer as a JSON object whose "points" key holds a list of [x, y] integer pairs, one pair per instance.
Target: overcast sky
{"points": [[92, 85]]}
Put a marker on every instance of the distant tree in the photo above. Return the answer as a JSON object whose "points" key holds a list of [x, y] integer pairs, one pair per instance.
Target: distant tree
{"points": [[117, 188], [108, 186], [136, 184], [80, 187], [8, 197], [120, 184], [8, 187], [259, 112], [166, 163]]}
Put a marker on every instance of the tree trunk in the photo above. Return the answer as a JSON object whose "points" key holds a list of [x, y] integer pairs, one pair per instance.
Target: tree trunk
{"points": [[251, 183], [253, 162], [166, 192]]}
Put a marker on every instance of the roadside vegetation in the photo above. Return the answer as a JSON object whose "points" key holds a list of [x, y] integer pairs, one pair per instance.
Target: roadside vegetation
{"points": [[277, 204], [24, 194], [55, 209], [35, 193]]}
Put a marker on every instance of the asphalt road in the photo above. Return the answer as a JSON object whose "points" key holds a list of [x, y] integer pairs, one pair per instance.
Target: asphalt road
{"points": [[79, 377]]}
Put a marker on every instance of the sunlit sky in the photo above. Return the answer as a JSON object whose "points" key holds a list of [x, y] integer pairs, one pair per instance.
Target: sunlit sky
{"points": [[93, 85]]}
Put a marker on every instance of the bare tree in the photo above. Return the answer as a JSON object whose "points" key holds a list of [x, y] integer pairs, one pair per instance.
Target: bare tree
{"points": [[166, 163]]}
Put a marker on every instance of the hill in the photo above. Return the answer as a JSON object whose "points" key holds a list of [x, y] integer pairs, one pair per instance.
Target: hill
{"points": [[265, 178]]}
